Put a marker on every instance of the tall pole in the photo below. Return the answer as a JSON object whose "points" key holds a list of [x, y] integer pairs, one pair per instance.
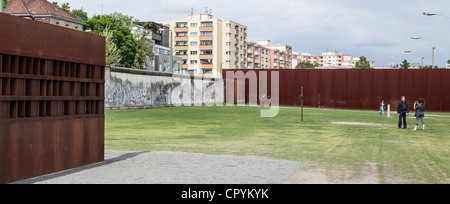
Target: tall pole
{"points": [[433, 57], [171, 52], [1, 6], [422, 62]]}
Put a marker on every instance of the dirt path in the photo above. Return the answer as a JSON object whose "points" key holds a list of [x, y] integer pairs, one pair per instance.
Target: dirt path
{"points": [[362, 124]]}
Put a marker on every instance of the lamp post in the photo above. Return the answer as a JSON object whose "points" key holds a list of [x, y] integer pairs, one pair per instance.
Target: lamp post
{"points": [[433, 56], [1, 6], [433, 48], [434, 14], [171, 48]]}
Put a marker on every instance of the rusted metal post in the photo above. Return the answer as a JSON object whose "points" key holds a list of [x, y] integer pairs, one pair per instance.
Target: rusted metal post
{"points": [[302, 96]]}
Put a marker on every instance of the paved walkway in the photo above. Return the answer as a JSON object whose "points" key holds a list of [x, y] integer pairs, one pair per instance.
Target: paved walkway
{"points": [[176, 168]]}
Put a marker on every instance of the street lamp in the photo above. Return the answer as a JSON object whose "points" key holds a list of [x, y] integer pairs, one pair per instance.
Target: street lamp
{"points": [[171, 48], [419, 38], [428, 14], [434, 14]]}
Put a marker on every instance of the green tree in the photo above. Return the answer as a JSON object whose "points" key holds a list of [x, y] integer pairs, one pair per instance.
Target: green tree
{"points": [[145, 47], [5, 3], [362, 63], [448, 62], [430, 67], [122, 36], [112, 57], [405, 64], [306, 65], [79, 14], [134, 47], [64, 6]]}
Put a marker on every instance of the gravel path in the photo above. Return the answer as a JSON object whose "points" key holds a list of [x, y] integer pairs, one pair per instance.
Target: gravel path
{"points": [[176, 168]]}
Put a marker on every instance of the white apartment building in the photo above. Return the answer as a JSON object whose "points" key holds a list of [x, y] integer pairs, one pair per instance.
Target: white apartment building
{"points": [[209, 45]]}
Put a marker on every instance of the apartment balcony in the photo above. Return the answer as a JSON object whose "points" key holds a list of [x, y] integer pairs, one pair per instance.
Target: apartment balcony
{"points": [[206, 66], [206, 47], [178, 47], [182, 56], [184, 66], [183, 38], [206, 37], [206, 28], [206, 56], [179, 29]]}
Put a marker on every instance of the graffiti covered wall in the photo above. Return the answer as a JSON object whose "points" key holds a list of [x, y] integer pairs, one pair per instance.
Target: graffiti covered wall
{"points": [[126, 88]]}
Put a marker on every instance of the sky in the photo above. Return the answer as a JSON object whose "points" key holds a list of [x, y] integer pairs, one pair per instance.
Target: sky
{"points": [[381, 30]]}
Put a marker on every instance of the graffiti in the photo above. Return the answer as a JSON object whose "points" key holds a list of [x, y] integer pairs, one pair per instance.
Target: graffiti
{"points": [[127, 94], [130, 91]]}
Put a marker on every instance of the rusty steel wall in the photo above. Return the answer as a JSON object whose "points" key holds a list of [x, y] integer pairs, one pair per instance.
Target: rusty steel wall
{"points": [[359, 89], [51, 98]]}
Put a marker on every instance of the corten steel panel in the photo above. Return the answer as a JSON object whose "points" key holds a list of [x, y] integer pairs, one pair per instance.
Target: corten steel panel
{"points": [[35, 148], [340, 85], [364, 89], [51, 98], [19, 36]]}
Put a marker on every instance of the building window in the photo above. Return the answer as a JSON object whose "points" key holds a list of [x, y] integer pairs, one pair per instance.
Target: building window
{"points": [[193, 52], [206, 61], [194, 43], [207, 24], [181, 43], [228, 43], [228, 25], [181, 52], [194, 34], [194, 25], [206, 43], [206, 52], [206, 33], [181, 25], [228, 34], [194, 62], [182, 34]]}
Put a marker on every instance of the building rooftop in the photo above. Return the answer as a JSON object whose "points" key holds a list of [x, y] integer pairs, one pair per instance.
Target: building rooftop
{"points": [[37, 9]]}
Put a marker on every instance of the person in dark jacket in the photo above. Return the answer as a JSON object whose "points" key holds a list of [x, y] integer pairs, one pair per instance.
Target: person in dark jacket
{"points": [[419, 106], [402, 111]]}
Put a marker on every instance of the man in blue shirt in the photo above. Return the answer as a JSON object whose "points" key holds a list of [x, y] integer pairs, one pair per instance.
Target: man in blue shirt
{"points": [[402, 111]]}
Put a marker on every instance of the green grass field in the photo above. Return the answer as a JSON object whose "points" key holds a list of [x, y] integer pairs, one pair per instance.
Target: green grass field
{"points": [[397, 156]]}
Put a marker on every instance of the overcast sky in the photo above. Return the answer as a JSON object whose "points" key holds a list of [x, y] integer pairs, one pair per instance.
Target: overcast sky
{"points": [[381, 30]]}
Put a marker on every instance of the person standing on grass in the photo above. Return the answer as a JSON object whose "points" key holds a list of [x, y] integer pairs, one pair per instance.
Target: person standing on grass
{"points": [[419, 106], [402, 111], [382, 108]]}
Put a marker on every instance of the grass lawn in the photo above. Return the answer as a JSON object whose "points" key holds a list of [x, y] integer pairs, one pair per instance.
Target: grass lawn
{"points": [[395, 156]]}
